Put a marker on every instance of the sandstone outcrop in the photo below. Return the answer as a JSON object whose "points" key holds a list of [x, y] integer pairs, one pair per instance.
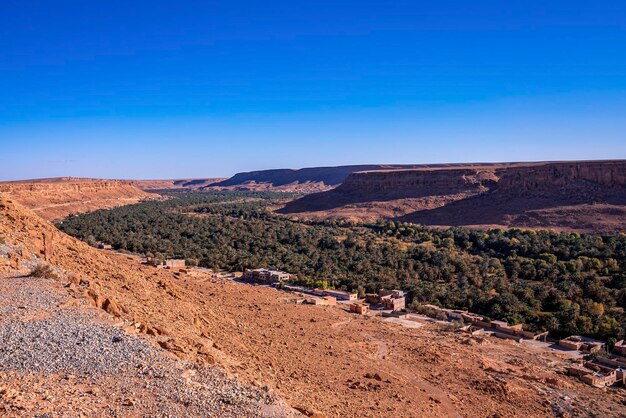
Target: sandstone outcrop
{"points": [[314, 179], [54, 199], [191, 184], [590, 176], [420, 182], [584, 196]]}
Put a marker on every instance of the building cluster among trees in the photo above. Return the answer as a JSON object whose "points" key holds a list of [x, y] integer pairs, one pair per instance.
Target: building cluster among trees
{"points": [[567, 283]]}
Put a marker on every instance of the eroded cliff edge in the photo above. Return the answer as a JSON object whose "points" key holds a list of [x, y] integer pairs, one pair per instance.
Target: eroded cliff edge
{"points": [[55, 199], [582, 196]]}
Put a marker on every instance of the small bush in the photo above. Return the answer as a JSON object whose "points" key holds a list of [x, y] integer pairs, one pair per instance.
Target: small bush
{"points": [[43, 271]]}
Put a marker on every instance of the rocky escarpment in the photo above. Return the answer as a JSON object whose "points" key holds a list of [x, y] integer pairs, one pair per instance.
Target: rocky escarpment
{"points": [[192, 184], [589, 176], [330, 176], [317, 178], [56, 198], [580, 195], [407, 188], [420, 182]]}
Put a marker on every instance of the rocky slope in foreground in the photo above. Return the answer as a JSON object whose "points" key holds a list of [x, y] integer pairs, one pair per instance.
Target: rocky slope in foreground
{"points": [[57, 198], [187, 328], [586, 196]]}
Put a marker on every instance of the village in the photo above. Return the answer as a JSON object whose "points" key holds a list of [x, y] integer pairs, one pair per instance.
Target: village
{"points": [[592, 363]]}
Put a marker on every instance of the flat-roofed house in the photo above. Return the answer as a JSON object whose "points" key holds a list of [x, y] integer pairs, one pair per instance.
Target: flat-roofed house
{"points": [[395, 293], [175, 263], [392, 299], [360, 308], [279, 276], [341, 295], [324, 300], [584, 344], [266, 276], [600, 380], [499, 324], [395, 304], [373, 298]]}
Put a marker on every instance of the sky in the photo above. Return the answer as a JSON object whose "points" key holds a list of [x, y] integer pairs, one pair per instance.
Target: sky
{"points": [[186, 89]]}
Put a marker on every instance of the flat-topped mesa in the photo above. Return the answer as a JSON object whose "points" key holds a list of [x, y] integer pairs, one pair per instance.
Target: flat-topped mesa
{"points": [[163, 184], [421, 181], [56, 198], [67, 185], [554, 177], [584, 196], [323, 177]]}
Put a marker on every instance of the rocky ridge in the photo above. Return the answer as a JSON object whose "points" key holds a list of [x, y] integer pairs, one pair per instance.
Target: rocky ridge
{"points": [[584, 196], [55, 199], [188, 184], [315, 179]]}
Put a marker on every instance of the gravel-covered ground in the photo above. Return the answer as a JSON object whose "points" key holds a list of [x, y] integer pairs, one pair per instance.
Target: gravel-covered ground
{"points": [[70, 342], [23, 297], [67, 361]]}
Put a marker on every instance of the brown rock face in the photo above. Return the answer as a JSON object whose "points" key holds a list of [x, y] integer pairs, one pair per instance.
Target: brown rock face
{"points": [[592, 175], [112, 307], [586, 196], [56, 198], [409, 189], [316, 179], [14, 261], [420, 182], [192, 184], [48, 246]]}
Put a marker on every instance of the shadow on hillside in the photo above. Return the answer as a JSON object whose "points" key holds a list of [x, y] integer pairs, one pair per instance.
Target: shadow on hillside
{"points": [[495, 208], [338, 198]]}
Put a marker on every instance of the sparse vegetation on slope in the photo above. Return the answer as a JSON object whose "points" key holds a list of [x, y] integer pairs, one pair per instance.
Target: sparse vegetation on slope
{"points": [[43, 271], [566, 282]]}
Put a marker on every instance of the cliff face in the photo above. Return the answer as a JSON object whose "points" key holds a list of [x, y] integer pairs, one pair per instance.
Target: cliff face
{"points": [[56, 198], [174, 183], [590, 175], [326, 176], [409, 182], [581, 195]]}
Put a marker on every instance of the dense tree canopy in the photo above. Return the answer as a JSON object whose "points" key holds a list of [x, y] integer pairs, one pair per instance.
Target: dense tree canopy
{"points": [[568, 283]]}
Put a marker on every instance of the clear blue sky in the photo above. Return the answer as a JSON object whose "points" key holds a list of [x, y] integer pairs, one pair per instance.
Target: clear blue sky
{"points": [[162, 89]]}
